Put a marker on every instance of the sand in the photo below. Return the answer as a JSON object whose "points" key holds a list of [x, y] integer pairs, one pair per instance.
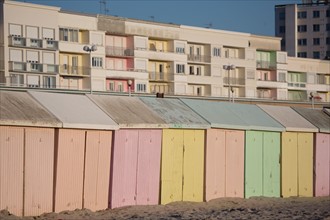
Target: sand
{"points": [[225, 208]]}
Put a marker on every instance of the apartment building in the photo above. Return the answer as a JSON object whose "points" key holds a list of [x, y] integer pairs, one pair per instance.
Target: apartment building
{"points": [[304, 28], [49, 48]]}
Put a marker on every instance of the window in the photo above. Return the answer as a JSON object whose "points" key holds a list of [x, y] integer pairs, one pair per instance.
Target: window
{"points": [[112, 86], [97, 61], [49, 82], [316, 14], [281, 77], [191, 70], [302, 14], [302, 54], [328, 27], [328, 13], [120, 87], [316, 41], [282, 16], [199, 71], [179, 50], [179, 68], [16, 80], [282, 29], [302, 42], [327, 56], [316, 55], [216, 52], [302, 28], [141, 87], [67, 34], [283, 43], [316, 27], [328, 41]]}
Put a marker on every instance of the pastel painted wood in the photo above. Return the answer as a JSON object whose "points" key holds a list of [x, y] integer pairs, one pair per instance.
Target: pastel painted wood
{"points": [[215, 174], [322, 164], [289, 168]]}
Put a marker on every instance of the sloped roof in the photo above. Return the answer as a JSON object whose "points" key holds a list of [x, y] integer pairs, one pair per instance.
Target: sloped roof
{"points": [[234, 116], [129, 112], [290, 119], [75, 110], [315, 116], [20, 109], [176, 113]]}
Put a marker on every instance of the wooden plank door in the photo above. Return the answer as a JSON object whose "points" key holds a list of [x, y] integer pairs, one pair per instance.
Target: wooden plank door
{"points": [[193, 165], [289, 161], [271, 164], [97, 169], [123, 191], [148, 168], [235, 164], [305, 164], [322, 164], [253, 163], [215, 164], [172, 165]]}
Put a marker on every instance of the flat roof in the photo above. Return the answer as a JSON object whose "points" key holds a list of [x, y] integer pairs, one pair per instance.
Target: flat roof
{"points": [[128, 112], [75, 110], [290, 119], [20, 109], [176, 113]]}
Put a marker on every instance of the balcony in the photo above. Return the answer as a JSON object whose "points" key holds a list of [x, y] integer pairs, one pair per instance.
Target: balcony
{"points": [[128, 73], [74, 70], [265, 65], [234, 81], [118, 51], [18, 41], [199, 58], [160, 77], [35, 67], [271, 84], [297, 84]]}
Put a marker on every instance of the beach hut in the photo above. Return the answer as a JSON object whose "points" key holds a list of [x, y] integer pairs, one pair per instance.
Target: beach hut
{"points": [[26, 154], [182, 162], [296, 151], [321, 120], [243, 146], [136, 151], [82, 151]]}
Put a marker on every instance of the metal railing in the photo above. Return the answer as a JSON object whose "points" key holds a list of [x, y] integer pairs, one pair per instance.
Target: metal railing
{"points": [[160, 76], [233, 81], [297, 84], [33, 42], [74, 70], [118, 51], [265, 65], [199, 58], [17, 66]]}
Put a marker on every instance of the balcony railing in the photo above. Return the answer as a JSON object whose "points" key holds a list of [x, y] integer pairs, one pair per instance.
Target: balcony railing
{"points": [[33, 42], [297, 84], [199, 58], [159, 76], [265, 65], [16, 66], [74, 70], [118, 51], [234, 81]]}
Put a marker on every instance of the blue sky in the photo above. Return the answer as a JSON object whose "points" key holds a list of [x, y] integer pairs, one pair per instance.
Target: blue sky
{"points": [[249, 16]]}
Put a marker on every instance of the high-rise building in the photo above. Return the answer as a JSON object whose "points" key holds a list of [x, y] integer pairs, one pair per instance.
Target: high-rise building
{"points": [[45, 47], [304, 29]]}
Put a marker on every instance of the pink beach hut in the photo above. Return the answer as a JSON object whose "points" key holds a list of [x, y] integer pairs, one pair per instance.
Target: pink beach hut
{"points": [[27, 133], [82, 151], [136, 151]]}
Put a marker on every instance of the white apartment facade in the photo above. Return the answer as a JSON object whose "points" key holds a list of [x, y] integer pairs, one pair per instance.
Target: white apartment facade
{"points": [[304, 29], [148, 57]]}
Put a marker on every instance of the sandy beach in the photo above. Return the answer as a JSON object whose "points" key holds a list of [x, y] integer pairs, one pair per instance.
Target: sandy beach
{"points": [[224, 208]]}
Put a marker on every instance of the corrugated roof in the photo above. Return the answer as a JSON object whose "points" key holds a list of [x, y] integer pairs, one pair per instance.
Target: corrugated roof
{"points": [[290, 119], [315, 116], [234, 116], [75, 110], [176, 113], [19, 108], [129, 112]]}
